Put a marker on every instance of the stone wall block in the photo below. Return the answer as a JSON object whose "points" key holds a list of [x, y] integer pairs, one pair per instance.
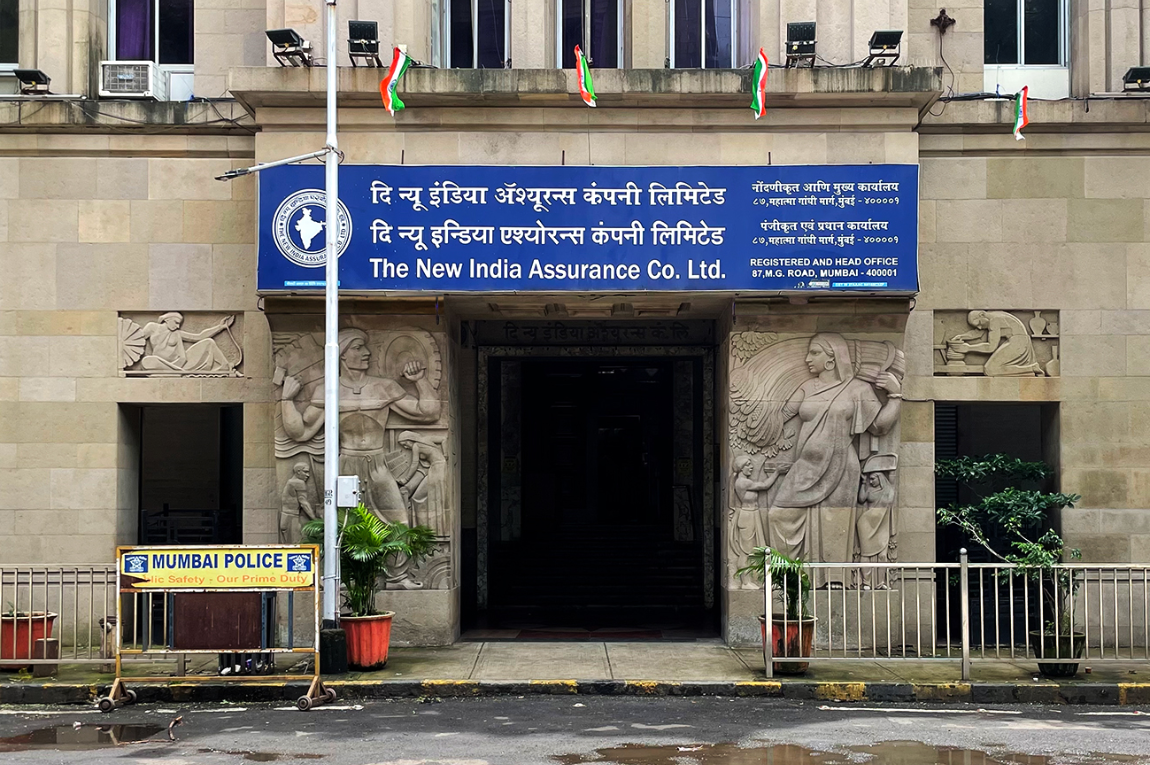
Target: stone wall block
{"points": [[43, 220], [82, 356], [57, 178], [180, 277], [1034, 220], [960, 178], [83, 489], [29, 277], [1035, 177], [1118, 177], [188, 179], [1138, 272], [47, 389], [27, 488], [101, 276], [968, 220], [1105, 220], [102, 220], [157, 221], [24, 356], [219, 222]]}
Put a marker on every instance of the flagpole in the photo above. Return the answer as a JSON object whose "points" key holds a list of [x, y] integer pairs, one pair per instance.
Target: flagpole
{"points": [[331, 339]]}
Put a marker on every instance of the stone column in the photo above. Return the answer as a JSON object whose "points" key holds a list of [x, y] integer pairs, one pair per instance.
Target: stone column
{"points": [[397, 433], [811, 460]]}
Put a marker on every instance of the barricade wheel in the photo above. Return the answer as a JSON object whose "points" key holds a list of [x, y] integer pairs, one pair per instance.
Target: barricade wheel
{"points": [[106, 705], [131, 696], [330, 693], [304, 703]]}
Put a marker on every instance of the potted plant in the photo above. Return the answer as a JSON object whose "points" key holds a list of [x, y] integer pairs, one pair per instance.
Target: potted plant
{"points": [[1021, 520], [21, 630], [367, 547], [793, 630]]}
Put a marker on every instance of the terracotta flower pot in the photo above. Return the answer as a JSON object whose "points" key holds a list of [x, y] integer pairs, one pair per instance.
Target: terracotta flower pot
{"points": [[368, 638], [785, 637], [15, 631]]}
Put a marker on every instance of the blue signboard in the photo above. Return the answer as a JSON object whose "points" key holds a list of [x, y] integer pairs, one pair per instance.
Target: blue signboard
{"points": [[806, 228]]}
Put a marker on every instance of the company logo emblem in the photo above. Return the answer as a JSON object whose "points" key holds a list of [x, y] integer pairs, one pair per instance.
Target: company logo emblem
{"points": [[300, 228], [136, 564]]}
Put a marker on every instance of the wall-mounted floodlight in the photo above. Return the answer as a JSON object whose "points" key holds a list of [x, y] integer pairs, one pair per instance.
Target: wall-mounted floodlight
{"points": [[363, 42], [800, 45], [885, 47], [289, 48], [33, 82], [1136, 78]]}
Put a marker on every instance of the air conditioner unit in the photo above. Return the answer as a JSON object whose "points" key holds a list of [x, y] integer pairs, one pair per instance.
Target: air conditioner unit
{"points": [[133, 79]]}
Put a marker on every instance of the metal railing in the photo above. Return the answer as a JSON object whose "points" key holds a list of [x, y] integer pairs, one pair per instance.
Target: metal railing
{"points": [[961, 612], [67, 615], [73, 606]]}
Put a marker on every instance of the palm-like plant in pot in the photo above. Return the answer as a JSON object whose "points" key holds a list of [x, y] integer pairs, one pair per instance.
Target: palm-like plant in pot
{"points": [[1019, 520], [793, 629], [368, 546]]}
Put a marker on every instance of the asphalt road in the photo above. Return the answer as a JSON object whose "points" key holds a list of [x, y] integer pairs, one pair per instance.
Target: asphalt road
{"points": [[569, 730]]}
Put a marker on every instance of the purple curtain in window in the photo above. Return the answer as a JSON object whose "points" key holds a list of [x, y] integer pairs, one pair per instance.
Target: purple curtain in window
{"points": [[134, 30]]}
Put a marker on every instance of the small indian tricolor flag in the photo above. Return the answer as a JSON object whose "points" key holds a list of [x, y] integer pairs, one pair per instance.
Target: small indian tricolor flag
{"points": [[399, 63], [759, 85], [1021, 119], [583, 70]]}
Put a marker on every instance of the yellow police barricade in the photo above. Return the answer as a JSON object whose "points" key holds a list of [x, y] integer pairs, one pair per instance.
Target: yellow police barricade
{"points": [[215, 599]]}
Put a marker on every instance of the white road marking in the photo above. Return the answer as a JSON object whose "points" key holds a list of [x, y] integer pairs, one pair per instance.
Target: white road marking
{"points": [[229, 710], [891, 710], [43, 713], [1113, 714], [669, 726]]}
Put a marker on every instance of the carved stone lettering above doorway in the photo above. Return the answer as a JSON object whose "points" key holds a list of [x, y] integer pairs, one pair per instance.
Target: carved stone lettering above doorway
{"points": [[994, 343]]}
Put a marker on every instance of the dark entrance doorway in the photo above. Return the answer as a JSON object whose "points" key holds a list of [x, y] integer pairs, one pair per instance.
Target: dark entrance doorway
{"points": [[595, 468], [191, 473]]}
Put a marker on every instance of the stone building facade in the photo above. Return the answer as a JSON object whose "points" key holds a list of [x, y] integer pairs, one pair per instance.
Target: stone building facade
{"points": [[129, 314]]}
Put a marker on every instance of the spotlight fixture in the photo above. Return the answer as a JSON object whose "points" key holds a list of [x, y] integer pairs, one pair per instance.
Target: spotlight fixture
{"points": [[885, 47], [1136, 78], [800, 45], [289, 48], [363, 42], [33, 82]]}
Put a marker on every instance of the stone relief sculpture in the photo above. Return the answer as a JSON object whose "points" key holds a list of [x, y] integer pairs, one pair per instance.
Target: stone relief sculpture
{"points": [[813, 410], [877, 523], [295, 507], [996, 343], [392, 432], [164, 348], [747, 523], [424, 485]]}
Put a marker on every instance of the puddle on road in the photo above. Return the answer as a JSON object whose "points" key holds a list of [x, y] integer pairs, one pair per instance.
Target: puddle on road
{"points": [[264, 756], [85, 737], [886, 753]]}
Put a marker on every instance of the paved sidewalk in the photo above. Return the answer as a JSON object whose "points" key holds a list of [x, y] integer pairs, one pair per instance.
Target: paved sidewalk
{"points": [[636, 668]]}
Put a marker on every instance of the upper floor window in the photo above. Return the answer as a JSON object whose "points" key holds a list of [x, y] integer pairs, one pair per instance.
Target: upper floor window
{"points": [[704, 33], [475, 34], [596, 26], [9, 32], [1025, 32], [153, 30]]}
